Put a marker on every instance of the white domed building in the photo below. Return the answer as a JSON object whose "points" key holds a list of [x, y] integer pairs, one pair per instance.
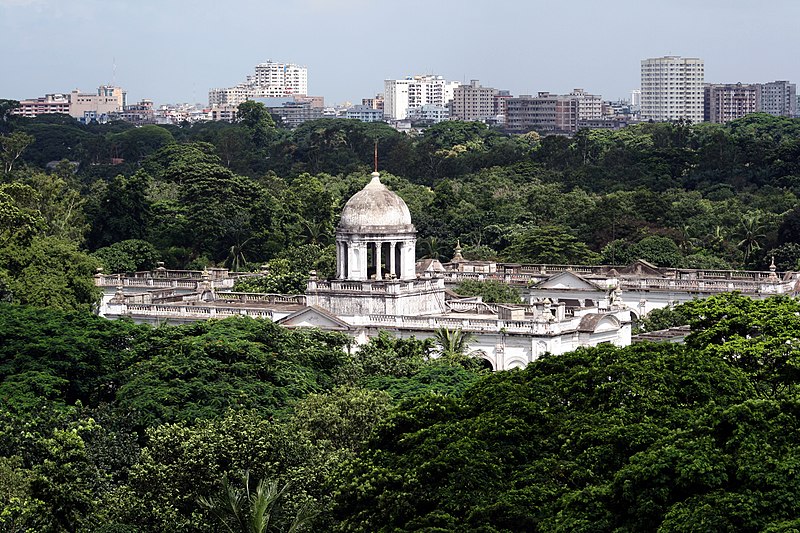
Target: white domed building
{"points": [[377, 288], [375, 262]]}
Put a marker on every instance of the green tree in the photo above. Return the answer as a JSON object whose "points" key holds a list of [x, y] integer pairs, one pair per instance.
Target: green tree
{"points": [[12, 147], [247, 510], [491, 291]]}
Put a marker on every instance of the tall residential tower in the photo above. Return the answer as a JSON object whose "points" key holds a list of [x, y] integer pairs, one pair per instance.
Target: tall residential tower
{"points": [[672, 88]]}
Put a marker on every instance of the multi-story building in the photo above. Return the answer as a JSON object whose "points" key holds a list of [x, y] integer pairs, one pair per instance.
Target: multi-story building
{"points": [[231, 96], [429, 113], [295, 110], [415, 91], [139, 114], [47, 104], [778, 98], [79, 105], [500, 103], [271, 80], [724, 102], [364, 113], [544, 113], [280, 79], [473, 102], [106, 100], [590, 106], [374, 103], [672, 88]]}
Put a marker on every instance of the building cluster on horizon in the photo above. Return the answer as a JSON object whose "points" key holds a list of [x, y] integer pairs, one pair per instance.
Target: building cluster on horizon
{"points": [[672, 88]]}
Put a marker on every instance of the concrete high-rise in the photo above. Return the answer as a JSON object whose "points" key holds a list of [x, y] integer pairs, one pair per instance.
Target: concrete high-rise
{"points": [[778, 98], [271, 80], [672, 88], [473, 102], [417, 91], [729, 101]]}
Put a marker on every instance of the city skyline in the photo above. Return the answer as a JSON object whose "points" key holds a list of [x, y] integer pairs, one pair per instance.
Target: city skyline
{"points": [[171, 54]]}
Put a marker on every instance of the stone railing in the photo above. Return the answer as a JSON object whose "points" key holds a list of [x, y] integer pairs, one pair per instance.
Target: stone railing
{"points": [[194, 311], [380, 287], [472, 324], [253, 297]]}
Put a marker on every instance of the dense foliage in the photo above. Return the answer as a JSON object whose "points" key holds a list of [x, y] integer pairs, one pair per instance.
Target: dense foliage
{"points": [[110, 426]]}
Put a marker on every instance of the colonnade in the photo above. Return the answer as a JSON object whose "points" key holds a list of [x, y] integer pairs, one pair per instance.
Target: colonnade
{"points": [[378, 259]]}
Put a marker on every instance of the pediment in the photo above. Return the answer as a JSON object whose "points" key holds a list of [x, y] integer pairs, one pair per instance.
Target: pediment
{"points": [[640, 267], [567, 280], [314, 317]]}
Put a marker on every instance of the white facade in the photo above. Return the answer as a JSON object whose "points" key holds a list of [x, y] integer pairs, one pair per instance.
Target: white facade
{"points": [[590, 106], [672, 89], [416, 91], [281, 79]]}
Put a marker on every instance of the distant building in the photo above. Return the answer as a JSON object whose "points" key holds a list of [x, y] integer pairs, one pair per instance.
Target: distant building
{"points": [[500, 104], [374, 103], [293, 111], [271, 80], [402, 95], [47, 104], [636, 98], [232, 96], [590, 106], [106, 100], [672, 89], [473, 102], [280, 79], [545, 113], [364, 113], [429, 113], [729, 101], [79, 105], [778, 98]]}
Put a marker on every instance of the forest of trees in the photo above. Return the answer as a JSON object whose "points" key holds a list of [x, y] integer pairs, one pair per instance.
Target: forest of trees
{"points": [[241, 425], [249, 193]]}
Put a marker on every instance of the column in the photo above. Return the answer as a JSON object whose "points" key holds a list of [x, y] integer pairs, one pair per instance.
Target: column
{"points": [[338, 260], [378, 246], [362, 260], [392, 268]]}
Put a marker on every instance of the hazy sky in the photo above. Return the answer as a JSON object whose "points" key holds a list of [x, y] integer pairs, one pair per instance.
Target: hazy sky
{"points": [[175, 50]]}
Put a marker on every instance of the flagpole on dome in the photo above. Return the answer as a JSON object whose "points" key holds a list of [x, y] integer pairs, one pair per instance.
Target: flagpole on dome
{"points": [[375, 173]]}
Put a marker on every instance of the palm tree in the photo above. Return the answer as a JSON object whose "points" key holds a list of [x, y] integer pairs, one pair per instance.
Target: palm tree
{"points": [[241, 510], [750, 233], [431, 247], [453, 342]]}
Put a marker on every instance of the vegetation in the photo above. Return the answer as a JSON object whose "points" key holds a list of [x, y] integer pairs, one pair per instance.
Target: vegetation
{"points": [[112, 426]]}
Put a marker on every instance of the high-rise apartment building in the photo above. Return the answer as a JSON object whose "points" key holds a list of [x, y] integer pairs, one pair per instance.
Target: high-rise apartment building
{"points": [[271, 80], [473, 102], [590, 106], [724, 102], [672, 88], [415, 91], [778, 98], [280, 79]]}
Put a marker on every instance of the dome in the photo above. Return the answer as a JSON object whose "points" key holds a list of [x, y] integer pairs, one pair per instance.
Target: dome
{"points": [[375, 206]]}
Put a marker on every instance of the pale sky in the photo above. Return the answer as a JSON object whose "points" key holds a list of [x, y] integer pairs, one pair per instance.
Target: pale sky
{"points": [[175, 50]]}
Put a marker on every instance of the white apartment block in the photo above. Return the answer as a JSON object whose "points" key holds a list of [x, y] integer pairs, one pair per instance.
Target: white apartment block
{"points": [[281, 79], [271, 80], [590, 106], [778, 98], [416, 91], [231, 96], [672, 88]]}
